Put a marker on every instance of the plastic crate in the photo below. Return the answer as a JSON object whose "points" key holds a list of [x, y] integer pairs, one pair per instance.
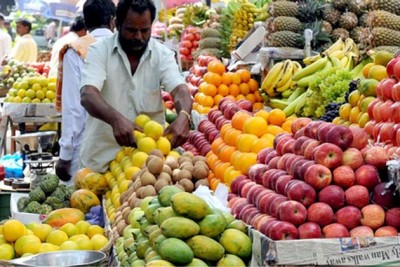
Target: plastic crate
{"points": [[23, 217]]}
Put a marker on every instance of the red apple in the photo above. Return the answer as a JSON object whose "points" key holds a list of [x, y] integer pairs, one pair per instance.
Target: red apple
{"points": [[288, 146], [270, 156], [386, 231], [349, 216], [320, 213], [265, 218], [266, 226], [283, 231], [281, 144], [257, 198], [295, 167], [390, 67], [362, 231], [301, 192], [290, 161], [344, 177], [395, 109], [299, 123], [376, 156], [281, 164], [385, 87], [246, 188], [369, 128], [309, 230], [280, 136], [329, 155], [373, 216], [353, 158], [392, 217], [311, 130], [308, 151], [384, 197], [304, 168], [323, 130], [332, 195], [273, 208], [341, 136], [357, 195], [360, 137], [281, 183], [267, 176], [264, 202], [273, 163], [256, 172], [292, 211], [335, 230], [262, 154], [385, 109], [242, 183], [298, 143], [235, 183], [253, 192], [318, 176], [274, 177], [245, 104], [299, 133], [368, 176]]}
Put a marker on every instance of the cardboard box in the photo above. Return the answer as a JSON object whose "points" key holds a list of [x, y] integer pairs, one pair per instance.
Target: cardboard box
{"points": [[24, 217], [325, 251]]}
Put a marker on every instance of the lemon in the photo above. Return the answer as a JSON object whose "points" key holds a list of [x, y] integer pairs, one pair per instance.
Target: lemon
{"points": [[6, 252], [153, 129], [21, 93], [13, 229], [36, 100], [83, 226], [123, 185], [47, 247], [70, 229], [51, 86], [93, 230], [130, 171], [98, 241], [79, 237], [164, 145], [42, 231], [69, 245], [120, 155], [85, 244], [139, 158], [36, 86], [141, 120], [174, 153], [27, 244], [50, 95], [1, 229], [377, 72], [57, 237], [146, 144], [2, 240]]}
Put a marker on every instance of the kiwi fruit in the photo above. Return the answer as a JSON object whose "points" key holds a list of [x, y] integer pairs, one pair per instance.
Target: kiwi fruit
{"points": [[136, 185], [165, 176], [187, 185], [136, 175], [202, 164], [186, 166], [155, 165], [156, 152], [167, 169], [201, 182], [184, 174], [188, 154], [120, 227], [199, 159], [124, 196], [139, 192], [179, 186], [150, 157], [147, 178], [125, 214], [199, 172], [160, 184], [184, 159], [148, 190], [175, 174], [172, 162]]}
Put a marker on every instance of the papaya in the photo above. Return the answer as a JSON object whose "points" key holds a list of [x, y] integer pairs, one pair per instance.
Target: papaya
{"points": [[83, 199], [205, 248], [158, 241], [163, 213], [179, 227], [141, 246], [176, 251], [149, 212], [94, 182], [236, 242], [238, 225], [212, 225], [159, 263], [230, 260], [153, 236], [138, 263], [197, 263], [165, 194], [58, 218], [189, 205]]}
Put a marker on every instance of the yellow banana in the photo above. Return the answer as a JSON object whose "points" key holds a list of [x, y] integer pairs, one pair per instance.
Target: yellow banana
{"points": [[344, 61], [297, 66], [272, 77], [277, 103], [286, 86], [287, 93], [287, 74], [338, 45], [310, 69], [339, 54], [309, 60], [335, 61]]}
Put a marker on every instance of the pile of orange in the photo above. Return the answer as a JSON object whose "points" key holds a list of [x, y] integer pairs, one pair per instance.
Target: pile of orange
{"points": [[237, 147], [217, 84]]}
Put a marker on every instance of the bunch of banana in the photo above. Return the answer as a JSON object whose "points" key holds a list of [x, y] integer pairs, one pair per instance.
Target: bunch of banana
{"points": [[169, 14], [279, 78], [286, 100]]}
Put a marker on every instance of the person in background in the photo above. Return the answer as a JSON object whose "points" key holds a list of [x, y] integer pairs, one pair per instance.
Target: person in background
{"points": [[50, 33], [5, 39], [77, 29], [121, 79], [7, 26], [25, 49], [99, 20]]}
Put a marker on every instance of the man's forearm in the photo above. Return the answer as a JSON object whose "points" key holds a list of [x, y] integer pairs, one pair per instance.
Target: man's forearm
{"points": [[182, 99]]}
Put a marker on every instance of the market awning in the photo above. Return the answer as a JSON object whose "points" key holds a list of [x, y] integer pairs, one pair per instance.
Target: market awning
{"points": [[64, 10]]}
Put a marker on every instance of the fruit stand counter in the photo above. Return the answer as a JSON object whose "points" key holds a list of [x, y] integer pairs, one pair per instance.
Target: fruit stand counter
{"points": [[328, 251]]}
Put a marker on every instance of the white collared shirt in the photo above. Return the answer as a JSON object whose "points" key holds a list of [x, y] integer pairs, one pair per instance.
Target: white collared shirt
{"points": [[73, 114], [25, 49], [5, 43], [108, 69]]}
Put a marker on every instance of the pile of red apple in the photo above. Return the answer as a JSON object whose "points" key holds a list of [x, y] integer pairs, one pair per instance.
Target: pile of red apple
{"points": [[40, 67], [384, 111], [196, 73], [316, 183], [189, 43], [167, 99]]}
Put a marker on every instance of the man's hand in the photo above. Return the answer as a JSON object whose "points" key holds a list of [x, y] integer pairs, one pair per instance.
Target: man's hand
{"points": [[62, 169], [123, 131], [178, 131]]}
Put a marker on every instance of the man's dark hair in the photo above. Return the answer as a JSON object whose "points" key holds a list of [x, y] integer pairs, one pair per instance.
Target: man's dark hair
{"points": [[25, 23], [98, 13], [77, 24], [139, 6]]}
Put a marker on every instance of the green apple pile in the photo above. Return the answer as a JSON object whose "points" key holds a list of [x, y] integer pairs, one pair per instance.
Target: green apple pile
{"points": [[32, 89], [14, 71]]}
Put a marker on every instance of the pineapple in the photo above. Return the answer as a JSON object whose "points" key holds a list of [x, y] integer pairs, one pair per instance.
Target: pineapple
{"points": [[384, 37], [284, 39], [381, 18], [358, 7], [340, 33], [362, 20], [331, 14], [209, 32], [348, 21], [310, 10], [283, 8], [341, 4], [357, 34], [210, 42], [391, 49], [387, 5], [283, 23], [326, 27]]}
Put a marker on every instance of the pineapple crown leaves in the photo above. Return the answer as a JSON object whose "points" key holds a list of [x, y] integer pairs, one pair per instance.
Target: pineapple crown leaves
{"points": [[310, 10], [319, 37]]}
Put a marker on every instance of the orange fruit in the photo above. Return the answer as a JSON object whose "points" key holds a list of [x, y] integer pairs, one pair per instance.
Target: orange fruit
{"points": [[202, 87], [259, 144], [214, 183], [276, 117], [234, 90], [245, 75], [236, 78], [207, 77], [235, 158], [240, 96], [244, 88], [217, 99], [248, 160], [258, 106], [274, 130], [210, 89], [232, 136], [208, 101], [253, 85], [258, 96], [255, 125], [215, 79], [224, 130], [286, 126], [270, 139], [227, 78], [366, 69], [226, 152], [216, 66], [223, 89], [239, 118], [251, 98], [263, 114], [245, 141]]}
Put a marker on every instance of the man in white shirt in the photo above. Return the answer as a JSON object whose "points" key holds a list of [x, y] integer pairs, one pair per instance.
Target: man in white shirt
{"points": [[25, 49], [77, 29], [5, 39], [121, 79], [99, 20]]}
